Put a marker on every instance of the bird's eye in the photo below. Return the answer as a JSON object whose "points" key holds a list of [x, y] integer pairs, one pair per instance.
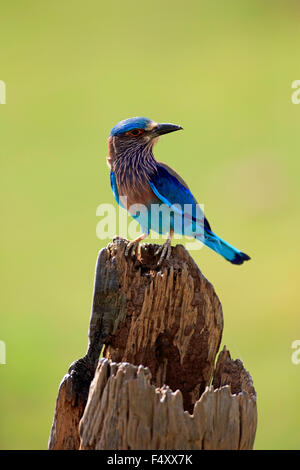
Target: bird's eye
{"points": [[135, 132]]}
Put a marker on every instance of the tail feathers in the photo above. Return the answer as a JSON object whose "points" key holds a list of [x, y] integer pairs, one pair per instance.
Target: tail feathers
{"points": [[230, 253]]}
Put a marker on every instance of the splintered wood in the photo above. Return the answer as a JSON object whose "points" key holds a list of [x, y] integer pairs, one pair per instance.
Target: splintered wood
{"points": [[124, 411], [155, 387]]}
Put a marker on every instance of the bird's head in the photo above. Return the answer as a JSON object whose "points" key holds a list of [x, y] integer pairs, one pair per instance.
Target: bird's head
{"points": [[136, 133]]}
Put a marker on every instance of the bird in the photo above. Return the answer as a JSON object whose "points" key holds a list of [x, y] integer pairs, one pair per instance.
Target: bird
{"points": [[138, 180]]}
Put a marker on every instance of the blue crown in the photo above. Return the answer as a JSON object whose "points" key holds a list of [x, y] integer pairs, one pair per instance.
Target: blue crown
{"points": [[129, 124]]}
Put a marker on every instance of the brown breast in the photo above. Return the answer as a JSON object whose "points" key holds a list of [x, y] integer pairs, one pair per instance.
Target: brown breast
{"points": [[137, 195]]}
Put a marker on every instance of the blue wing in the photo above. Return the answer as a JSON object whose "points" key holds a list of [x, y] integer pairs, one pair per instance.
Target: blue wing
{"points": [[173, 191]]}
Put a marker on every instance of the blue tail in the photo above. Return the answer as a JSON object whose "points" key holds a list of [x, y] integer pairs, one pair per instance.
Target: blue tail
{"points": [[230, 253]]}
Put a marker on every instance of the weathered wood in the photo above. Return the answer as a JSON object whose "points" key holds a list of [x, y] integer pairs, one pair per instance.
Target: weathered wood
{"points": [[167, 319], [124, 411], [172, 322], [70, 405]]}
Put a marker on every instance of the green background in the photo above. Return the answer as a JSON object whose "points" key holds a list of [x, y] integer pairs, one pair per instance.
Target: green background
{"points": [[222, 70]]}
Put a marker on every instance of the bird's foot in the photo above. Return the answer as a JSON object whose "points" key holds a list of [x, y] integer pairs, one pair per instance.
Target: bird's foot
{"points": [[132, 247], [165, 251]]}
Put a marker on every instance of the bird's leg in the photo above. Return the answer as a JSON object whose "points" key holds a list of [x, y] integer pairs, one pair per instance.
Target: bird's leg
{"points": [[165, 249], [133, 245]]}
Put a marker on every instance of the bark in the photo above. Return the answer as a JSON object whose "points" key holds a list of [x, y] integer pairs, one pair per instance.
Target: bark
{"points": [[161, 328]]}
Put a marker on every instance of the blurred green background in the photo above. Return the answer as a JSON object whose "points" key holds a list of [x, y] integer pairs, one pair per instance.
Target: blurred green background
{"points": [[223, 70]]}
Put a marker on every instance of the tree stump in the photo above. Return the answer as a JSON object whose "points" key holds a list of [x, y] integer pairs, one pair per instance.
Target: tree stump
{"points": [[156, 386]]}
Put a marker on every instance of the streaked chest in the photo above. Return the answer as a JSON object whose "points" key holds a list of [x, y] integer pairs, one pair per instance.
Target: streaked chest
{"points": [[131, 194]]}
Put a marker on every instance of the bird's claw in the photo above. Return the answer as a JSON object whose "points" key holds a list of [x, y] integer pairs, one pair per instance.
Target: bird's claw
{"points": [[132, 247], [165, 251]]}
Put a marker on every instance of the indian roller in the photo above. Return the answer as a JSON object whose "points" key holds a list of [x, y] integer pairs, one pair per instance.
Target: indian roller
{"points": [[139, 180]]}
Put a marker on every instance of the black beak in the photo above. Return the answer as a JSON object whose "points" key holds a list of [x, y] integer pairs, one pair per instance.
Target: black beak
{"points": [[161, 129]]}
